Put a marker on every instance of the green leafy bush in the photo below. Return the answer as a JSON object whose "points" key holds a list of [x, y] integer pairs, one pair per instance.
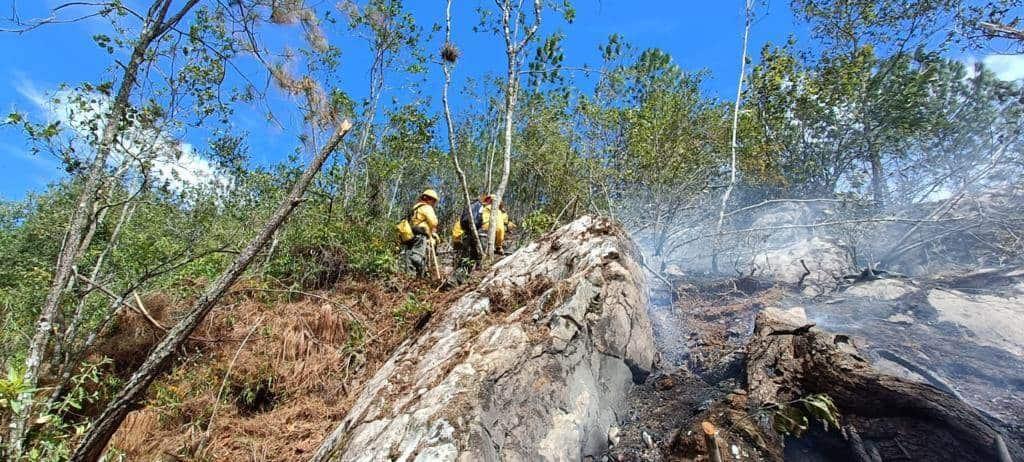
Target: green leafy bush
{"points": [[537, 222], [794, 418], [411, 309]]}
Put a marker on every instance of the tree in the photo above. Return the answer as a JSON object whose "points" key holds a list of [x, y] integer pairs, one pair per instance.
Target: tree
{"points": [[748, 17], [665, 142], [389, 31], [513, 23], [100, 431], [855, 33], [158, 21], [319, 114], [449, 55]]}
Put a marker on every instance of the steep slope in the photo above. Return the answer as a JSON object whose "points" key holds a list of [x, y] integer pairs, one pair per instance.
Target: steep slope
{"points": [[533, 364]]}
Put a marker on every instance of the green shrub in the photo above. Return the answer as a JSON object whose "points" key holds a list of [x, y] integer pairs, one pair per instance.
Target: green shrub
{"points": [[791, 419], [411, 309], [537, 222]]}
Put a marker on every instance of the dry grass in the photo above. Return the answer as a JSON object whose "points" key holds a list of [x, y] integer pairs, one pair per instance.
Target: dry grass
{"points": [[132, 336], [311, 354], [506, 299]]}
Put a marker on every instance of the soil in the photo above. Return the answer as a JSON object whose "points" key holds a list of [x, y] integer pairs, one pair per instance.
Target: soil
{"points": [[700, 329], [664, 404]]}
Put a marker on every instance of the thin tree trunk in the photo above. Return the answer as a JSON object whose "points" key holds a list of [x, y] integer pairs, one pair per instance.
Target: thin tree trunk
{"points": [[376, 86], [506, 163], [155, 27], [103, 428], [513, 47], [878, 188], [71, 334], [490, 160], [452, 152], [67, 338], [748, 15], [394, 192]]}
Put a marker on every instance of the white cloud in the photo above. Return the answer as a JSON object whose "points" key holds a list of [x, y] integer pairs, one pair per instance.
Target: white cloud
{"points": [[188, 168], [1005, 67], [171, 160], [27, 89]]}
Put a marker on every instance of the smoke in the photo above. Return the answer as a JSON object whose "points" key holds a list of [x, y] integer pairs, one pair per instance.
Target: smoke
{"points": [[829, 237]]}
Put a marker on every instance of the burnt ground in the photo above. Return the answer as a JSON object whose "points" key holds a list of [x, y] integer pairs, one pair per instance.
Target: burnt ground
{"points": [[701, 331], [665, 405], [906, 337]]}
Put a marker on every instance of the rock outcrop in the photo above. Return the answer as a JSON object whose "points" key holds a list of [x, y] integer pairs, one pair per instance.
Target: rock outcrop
{"points": [[532, 365], [816, 265]]}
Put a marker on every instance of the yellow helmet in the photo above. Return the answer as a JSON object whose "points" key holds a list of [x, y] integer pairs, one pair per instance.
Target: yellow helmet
{"points": [[431, 194]]}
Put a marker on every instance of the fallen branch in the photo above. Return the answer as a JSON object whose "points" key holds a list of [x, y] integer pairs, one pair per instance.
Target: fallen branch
{"points": [[782, 201], [807, 272], [138, 307], [554, 224], [99, 433], [711, 440], [822, 224], [643, 262], [1002, 30]]}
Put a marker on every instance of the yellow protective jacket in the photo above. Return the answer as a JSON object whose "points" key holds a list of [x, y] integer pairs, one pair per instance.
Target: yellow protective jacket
{"points": [[457, 231], [503, 226], [499, 233], [424, 218]]}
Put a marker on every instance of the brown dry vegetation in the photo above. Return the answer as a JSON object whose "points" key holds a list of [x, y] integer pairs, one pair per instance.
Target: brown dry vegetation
{"points": [[275, 371]]}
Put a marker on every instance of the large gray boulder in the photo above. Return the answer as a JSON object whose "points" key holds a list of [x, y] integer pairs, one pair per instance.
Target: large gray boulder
{"points": [[531, 365], [776, 224], [816, 265]]}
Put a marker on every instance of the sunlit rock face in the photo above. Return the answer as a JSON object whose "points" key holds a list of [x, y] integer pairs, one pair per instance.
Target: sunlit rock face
{"points": [[959, 331], [881, 289], [995, 320], [816, 264], [531, 365], [777, 224]]}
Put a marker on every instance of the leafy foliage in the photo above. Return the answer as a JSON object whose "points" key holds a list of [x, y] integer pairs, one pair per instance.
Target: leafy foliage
{"points": [[794, 418]]}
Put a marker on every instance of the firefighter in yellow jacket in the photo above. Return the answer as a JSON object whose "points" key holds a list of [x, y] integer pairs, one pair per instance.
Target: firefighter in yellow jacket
{"points": [[503, 227], [485, 218], [423, 220]]}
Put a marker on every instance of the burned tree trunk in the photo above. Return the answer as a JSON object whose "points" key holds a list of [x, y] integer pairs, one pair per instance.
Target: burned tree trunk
{"points": [[789, 359]]}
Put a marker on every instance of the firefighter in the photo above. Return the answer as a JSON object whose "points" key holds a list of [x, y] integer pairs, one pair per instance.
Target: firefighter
{"points": [[423, 221], [504, 226]]}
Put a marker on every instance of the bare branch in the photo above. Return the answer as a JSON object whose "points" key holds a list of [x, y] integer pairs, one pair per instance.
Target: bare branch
{"points": [[993, 29]]}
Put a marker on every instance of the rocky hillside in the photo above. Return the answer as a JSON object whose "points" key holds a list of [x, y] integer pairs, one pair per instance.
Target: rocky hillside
{"points": [[532, 365], [563, 351]]}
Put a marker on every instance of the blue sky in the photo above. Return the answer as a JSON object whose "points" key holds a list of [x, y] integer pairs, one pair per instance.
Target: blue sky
{"points": [[698, 34]]}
